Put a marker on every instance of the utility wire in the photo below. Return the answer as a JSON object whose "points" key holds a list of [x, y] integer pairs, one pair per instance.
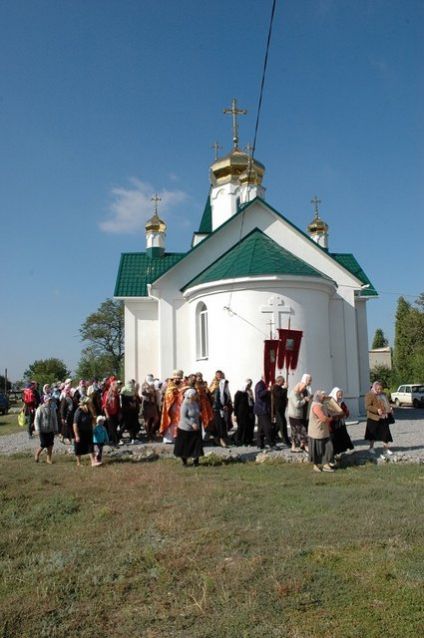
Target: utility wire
{"points": [[261, 92]]}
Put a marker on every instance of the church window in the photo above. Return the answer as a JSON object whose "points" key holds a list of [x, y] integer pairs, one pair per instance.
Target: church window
{"points": [[202, 331]]}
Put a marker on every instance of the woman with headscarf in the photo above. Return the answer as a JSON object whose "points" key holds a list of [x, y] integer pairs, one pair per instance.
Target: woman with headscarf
{"points": [[45, 423], [188, 444], [171, 407], [379, 412], [243, 414], [222, 407], [67, 410], [83, 432], [338, 431], [130, 404], [321, 452], [299, 401], [112, 408]]}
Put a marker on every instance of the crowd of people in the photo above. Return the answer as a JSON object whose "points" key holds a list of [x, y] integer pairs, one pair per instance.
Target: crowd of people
{"points": [[186, 411]]}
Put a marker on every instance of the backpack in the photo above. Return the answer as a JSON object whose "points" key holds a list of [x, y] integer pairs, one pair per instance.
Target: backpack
{"points": [[29, 396]]}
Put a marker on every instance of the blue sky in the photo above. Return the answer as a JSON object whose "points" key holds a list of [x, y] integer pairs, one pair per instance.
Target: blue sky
{"points": [[103, 103]]}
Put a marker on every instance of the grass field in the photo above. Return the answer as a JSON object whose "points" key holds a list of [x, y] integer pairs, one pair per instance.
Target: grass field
{"points": [[9, 424], [243, 551]]}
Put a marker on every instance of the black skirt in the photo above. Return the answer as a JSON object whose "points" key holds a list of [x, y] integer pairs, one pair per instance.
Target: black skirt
{"points": [[188, 444], [378, 431], [46, 439], [341, 439]]}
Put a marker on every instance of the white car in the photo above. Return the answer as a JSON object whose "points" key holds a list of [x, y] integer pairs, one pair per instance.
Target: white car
{"points": [[411, 394]]}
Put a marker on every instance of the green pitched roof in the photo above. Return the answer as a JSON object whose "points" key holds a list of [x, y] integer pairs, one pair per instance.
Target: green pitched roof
{"points": [[136, 270], [349, 262], [206, 221], [255, 254]]}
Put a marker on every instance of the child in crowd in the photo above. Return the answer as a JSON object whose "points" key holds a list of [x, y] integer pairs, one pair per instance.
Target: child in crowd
{"points": [[100, 437]]}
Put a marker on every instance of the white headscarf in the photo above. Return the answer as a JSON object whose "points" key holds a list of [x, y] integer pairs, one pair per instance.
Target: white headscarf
{"points": [[333, 395]]}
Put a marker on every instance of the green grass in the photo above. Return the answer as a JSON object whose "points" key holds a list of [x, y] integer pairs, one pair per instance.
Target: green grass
{"points": [[238, 551], [9, 425]]}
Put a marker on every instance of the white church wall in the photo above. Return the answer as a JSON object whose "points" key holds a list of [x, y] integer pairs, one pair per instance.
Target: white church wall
{"points": [[224, 203], [364, 369], [236, 336], [141, 338]]}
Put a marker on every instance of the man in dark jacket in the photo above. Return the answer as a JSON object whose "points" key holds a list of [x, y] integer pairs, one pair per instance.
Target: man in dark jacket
{"points": [[262, 409], [278, 408]]}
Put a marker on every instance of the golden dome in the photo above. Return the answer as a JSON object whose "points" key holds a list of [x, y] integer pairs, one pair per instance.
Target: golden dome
{"points": [[155, 224], [317, 225], [232, 166]]}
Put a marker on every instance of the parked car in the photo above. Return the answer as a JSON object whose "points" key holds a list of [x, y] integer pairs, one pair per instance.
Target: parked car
{"points": [[4, 404], [410, 394]]}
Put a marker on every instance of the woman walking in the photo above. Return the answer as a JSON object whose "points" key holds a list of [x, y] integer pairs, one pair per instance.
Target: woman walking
{"points": [[83, 432], [243, 413], [338, 431], [320, 445], [299, 399], [379, 414], [45, 423], [189, 434]]}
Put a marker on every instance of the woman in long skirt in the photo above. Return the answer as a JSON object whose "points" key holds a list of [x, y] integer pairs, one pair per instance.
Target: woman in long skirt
{"points": [[338, 431], [188, 443], [379, 412], [320, 446], [83, 432]]}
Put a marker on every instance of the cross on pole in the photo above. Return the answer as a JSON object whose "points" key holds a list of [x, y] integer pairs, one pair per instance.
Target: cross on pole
{"points": [[156, 199], [234, 111], [315, 201], [216, 147], [270, 323]]}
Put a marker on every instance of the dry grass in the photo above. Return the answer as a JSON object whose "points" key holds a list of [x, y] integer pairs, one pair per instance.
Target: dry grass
{"points": [[156, 550]]}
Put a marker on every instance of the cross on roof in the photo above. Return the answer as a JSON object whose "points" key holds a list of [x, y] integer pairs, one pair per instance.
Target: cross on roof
{"points": [[234, 111], [156, 199], [216, 147], [315, 201]]}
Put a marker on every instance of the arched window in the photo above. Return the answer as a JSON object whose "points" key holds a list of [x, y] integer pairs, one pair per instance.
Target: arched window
{"points": [[202, 345]]}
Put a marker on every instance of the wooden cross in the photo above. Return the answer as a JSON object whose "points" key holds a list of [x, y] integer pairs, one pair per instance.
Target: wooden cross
{"points": [[216, 148], [315, 201], [156, 199], [234, 111]]}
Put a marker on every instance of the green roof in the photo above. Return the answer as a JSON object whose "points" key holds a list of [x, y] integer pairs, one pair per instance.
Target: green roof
{"points": [[255, 254], [136, 270], [206, 221], [349, 262]]}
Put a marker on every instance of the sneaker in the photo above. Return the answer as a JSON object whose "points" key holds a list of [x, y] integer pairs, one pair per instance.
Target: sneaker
{"points": [[133, 442], [327, 468], [317, 468], [389, 452], [121, 442], [371, 451]]}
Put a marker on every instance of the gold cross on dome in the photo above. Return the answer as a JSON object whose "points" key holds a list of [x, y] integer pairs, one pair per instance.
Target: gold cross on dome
{"points": [[216, 147], [315, 201], [234, 111], [156, 199]]}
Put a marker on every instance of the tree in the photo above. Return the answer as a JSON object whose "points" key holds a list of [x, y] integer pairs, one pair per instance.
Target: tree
{"points": [[47, 371], [104, 332], [379, 340], [3, 386], [93, 366], [381, 373], [409, 341]]}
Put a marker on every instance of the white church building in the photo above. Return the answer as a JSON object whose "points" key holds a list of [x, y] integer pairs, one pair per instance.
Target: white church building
{"points": [[249, 272]]}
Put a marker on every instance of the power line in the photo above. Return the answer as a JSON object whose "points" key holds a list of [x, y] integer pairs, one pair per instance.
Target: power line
{"points": [[263, 75]]}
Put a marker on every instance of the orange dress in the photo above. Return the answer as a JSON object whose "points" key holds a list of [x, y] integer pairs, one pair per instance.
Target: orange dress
{"points": [[171, 411], [206, 412]]}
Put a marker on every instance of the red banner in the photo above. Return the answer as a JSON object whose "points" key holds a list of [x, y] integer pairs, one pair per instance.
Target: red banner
{"points": [[288, 348], [270, 359]]}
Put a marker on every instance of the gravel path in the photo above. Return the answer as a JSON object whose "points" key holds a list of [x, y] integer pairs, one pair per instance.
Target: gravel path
{"points": [[407, 432]]}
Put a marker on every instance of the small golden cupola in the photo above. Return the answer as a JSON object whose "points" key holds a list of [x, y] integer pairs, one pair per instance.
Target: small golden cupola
{"points": [[318, 229], [155, 232]]}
